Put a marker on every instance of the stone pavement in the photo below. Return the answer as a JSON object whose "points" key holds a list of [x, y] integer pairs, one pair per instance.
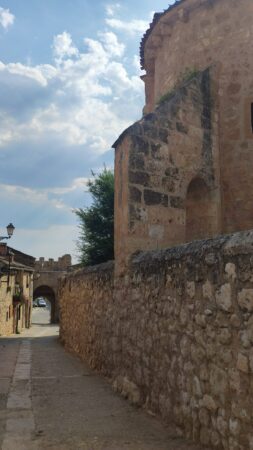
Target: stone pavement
{"points": [[51, 400]]}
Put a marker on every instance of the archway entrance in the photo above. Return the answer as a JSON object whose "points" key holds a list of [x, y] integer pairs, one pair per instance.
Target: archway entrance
{"points": [[201, 211], [48, 294]]}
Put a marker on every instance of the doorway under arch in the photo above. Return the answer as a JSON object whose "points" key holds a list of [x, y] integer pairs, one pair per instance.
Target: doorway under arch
{"points": [[201, 211], [48, 293]]}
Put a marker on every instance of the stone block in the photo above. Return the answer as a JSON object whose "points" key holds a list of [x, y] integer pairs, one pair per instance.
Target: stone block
{"points": [[209, 403], [176, 202], [234, 426], [155, 198], [207, 290], [223, 298], [215, 439], [205, 436], [245, 300], [204, 417], [135, 194], [222, 426], [242, 363], [219, 382], [230, 270], [225, 336], [140, 144], [190, 289], [138, 177]]}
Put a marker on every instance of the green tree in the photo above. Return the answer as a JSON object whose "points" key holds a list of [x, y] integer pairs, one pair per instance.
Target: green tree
{"points": [[96, 239]]}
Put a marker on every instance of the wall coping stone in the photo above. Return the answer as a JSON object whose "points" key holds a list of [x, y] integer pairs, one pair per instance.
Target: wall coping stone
{"points": [[99, 269], [231, 244]]}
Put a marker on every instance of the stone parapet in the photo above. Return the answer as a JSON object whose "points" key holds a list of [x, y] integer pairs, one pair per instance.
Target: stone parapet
{"points": [[63, 263]]}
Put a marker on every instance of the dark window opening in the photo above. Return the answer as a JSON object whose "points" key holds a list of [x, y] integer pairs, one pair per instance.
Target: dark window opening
{"points": [[252, 117]]}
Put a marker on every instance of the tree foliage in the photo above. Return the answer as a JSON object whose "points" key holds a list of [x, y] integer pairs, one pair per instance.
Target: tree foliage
{"points": [[96, 242]]}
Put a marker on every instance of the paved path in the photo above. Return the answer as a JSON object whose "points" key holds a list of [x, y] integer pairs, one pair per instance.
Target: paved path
{"points": [[51, 400]]}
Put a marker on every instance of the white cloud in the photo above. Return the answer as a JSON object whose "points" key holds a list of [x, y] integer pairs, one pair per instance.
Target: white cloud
{"points": [[77, 183], [7, 129], [111, 44], [136, 63], [132, 27], [152, 13], [63, 47], [42, 205], [6, 18], [43, 194], [28, 195], [120, 79], [38, 74], [111, 9], [80, 88]]}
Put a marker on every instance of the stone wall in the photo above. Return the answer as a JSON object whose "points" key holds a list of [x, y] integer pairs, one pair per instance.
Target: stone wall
{"points": [[86, 310], [6, 306], [156, 161], [175, 335], [196, 34]]}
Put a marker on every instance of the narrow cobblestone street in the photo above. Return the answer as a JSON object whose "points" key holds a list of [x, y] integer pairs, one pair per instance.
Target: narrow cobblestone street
{"points": [[51, 400]]}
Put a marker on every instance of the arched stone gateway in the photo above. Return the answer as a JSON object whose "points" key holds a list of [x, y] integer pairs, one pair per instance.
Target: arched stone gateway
{"points": [[48, 293], [46, 279]]}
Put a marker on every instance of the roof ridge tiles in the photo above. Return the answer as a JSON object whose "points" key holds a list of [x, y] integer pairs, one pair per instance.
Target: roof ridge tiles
{"points": [[156, 19]]}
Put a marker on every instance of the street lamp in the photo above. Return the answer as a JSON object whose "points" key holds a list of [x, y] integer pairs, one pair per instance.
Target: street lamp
{"points": [[10, 228]]}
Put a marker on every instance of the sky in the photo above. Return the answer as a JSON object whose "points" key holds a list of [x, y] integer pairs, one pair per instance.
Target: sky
{"points": [[69, 85]]}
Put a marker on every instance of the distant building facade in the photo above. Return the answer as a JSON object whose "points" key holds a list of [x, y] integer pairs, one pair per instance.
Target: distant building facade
{"points": [[16, 290]]}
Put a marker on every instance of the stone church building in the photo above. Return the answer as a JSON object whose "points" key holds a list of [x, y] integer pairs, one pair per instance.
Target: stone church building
{"points": [[172, 324], [184, 171]]}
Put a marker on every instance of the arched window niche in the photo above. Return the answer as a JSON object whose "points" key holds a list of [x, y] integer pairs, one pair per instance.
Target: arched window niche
{"points": [[201, 211]]}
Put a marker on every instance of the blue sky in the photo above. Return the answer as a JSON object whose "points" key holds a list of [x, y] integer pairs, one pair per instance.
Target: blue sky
{"points": [[69, 85]]}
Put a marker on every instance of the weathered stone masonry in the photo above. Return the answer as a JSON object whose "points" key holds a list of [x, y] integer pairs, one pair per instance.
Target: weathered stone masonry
{"points": [[86, 304], [160, 156], [174, 334], [194, 151], [173, 328]]}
